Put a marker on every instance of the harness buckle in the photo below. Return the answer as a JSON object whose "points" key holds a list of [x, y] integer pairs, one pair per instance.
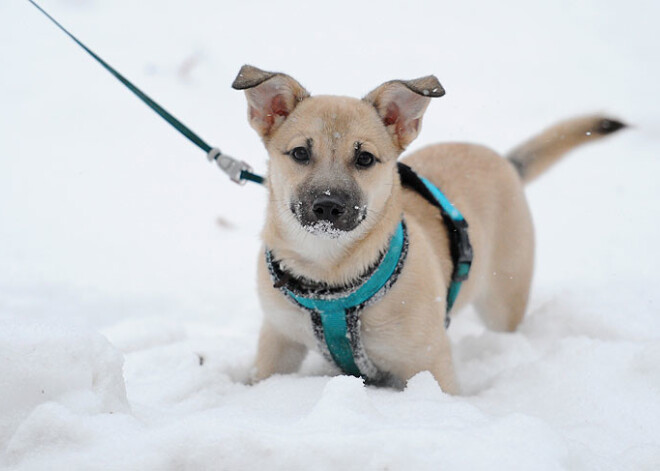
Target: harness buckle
{"points": [[232, 167], [463, 251]]}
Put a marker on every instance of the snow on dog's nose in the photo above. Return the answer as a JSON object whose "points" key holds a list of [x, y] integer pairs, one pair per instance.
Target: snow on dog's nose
{"points": [[328, 208], [329, 212]]}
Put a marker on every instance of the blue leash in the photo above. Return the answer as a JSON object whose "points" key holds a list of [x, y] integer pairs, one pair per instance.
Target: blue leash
{"points": [[238, 171]]}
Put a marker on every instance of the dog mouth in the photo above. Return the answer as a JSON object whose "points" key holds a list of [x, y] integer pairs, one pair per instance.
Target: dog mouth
{"points": [[327, 217], [325, 230]]}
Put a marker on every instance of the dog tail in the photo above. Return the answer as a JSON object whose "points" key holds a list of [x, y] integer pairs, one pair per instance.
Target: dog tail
{"points": [[536, 155]]}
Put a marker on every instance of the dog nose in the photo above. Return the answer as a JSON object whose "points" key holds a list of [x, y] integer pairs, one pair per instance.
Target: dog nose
{"points": [[328, 208]]}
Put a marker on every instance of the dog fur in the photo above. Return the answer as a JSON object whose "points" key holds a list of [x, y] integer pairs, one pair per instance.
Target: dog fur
{"points": [[404, 332]]}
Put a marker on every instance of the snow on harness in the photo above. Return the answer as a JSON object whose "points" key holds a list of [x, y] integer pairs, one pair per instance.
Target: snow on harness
{"points": [[335, 311]]}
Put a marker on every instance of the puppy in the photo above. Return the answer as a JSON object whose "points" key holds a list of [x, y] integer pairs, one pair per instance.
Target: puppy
{"points": [[337, 211]]}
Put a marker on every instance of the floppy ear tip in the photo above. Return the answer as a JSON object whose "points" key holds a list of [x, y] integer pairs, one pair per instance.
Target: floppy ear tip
{"points": [[250, 76], [427, 86], [437, 90]]}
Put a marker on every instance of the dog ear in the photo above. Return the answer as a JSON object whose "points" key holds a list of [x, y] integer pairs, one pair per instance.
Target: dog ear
{"points": [[271, 97], [401, 105]]}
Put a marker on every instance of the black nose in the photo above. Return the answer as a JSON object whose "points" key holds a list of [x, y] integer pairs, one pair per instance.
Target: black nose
{"points": [[328, 208]]}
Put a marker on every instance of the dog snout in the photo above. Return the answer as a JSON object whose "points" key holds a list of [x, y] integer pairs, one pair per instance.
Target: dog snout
{"points": [[328, 208], [328, 211]]}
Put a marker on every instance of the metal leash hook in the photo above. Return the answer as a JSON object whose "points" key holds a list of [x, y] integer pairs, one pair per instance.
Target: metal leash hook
{"points": [[234, 168]]}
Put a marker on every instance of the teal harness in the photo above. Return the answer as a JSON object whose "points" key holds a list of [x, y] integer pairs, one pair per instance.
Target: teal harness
{"points": [[335, 311]]}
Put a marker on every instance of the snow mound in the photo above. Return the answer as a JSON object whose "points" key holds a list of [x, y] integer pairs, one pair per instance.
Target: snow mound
{"points": [[48, 376], [339, 423]]}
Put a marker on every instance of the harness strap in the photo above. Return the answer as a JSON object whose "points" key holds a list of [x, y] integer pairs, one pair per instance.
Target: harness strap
{"points": [[335, 314], [457, 230]]}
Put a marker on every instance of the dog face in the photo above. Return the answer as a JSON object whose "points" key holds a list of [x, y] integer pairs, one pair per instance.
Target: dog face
{"points": [[331, 165], [332, 159]]}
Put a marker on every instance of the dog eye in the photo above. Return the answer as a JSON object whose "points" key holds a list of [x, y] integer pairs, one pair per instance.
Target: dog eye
{"points": [[365, 160], [300, 154]]}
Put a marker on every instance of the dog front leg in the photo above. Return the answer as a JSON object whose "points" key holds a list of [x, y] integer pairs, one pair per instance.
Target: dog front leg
{"points": [[441, 365], [428, 352], [276, 354], [438, 361]]}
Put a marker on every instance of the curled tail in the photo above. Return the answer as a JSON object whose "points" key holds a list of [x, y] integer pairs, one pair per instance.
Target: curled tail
{"points": [[534, 156]]}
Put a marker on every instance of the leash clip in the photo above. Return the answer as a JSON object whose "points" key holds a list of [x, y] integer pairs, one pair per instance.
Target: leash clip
{"points": [[232, 167]]}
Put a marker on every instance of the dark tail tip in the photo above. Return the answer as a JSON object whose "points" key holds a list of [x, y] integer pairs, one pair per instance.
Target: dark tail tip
{"points": [[608, 126]]}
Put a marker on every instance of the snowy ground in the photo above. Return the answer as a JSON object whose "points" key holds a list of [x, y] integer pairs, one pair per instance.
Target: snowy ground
{"points": [[128, 318]]}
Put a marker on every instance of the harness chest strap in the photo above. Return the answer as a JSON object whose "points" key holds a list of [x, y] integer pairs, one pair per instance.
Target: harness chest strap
{"points": [[335, 312]]}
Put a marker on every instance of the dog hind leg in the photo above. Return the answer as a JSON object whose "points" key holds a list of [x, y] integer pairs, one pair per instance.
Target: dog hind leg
{"points": [[502, 304]]}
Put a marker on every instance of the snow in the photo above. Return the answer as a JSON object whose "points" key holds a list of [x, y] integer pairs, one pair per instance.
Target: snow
{"points": [[324, 229], [128, 320], [44, 363]]}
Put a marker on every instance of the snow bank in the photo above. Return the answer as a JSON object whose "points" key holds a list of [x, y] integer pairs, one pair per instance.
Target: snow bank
{"points": [[541, 398], [51, 379]]}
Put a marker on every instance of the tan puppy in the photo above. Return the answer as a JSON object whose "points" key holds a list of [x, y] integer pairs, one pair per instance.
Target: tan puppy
{"points": [[335, 199]]}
